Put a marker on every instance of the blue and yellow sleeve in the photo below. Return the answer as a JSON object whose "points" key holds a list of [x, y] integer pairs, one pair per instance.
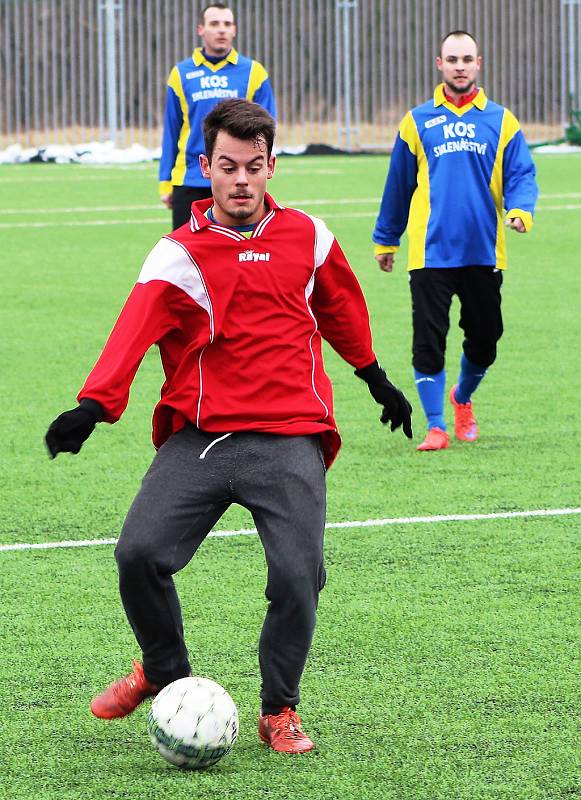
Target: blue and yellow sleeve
{"points": [[518, 176], [259, 89], [172, 126], [401, 183]]}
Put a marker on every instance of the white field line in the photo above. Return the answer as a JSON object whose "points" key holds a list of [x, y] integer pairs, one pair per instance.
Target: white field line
{"points": [[80, 209], [341, 201], [164, 220], [157, 206], [556, 196], [365, 523]]}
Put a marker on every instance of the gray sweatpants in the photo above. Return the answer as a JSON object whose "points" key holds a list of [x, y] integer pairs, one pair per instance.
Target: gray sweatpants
{"points": [[190, 484]]}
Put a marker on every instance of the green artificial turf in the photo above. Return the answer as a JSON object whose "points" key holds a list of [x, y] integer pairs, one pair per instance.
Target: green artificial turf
{"points": [[445, 661]]}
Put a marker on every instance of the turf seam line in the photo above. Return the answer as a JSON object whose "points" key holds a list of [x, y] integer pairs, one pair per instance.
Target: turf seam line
{"points": [[366, 523], [341, 201], [163, 220]]}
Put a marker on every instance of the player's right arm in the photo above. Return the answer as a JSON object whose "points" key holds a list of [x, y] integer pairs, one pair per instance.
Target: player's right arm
{"points": [[172, 125], [148, 314], [399, 188], [151, 310]]}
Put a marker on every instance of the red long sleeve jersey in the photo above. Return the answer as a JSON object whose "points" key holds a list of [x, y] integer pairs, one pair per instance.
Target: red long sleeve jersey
{"points": [[239, 322]]}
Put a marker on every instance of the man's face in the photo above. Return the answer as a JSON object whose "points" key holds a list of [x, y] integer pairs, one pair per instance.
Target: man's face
{"points": [[217, 31], [459, 63], [238, 172]]}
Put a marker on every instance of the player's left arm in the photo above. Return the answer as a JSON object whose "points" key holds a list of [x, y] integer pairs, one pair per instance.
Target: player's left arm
{"points": [[341, 313], [518, 178], [173, 121], [260, 89], [340, 309]]}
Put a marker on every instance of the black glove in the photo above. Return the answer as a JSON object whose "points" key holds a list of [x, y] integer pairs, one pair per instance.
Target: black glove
{"points": [[396, 408], [70, 429]]}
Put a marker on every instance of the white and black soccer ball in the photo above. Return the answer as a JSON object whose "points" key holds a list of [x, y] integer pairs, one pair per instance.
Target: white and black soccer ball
{"points": [[193, 722]]}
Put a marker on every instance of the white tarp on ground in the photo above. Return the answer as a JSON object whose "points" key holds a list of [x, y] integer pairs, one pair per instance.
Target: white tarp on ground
{"points": [[92, 153], [107, 153], [89, 153], [558, 148]]}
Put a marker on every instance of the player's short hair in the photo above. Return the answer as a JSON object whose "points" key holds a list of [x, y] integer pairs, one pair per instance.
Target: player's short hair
{"points": [[221, 6], [457, 35], [241, 119]]}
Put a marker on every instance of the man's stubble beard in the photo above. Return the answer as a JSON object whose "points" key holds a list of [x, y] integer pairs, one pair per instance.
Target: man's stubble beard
{"points": [[242, 213], [466, 90]]}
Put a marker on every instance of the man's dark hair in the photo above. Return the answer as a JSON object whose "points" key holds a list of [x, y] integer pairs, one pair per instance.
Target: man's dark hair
{"points": [[221, 6], [242, 120], [458, 34]]}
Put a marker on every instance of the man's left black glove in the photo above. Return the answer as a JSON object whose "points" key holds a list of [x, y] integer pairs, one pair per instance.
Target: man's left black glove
{"points": [[396, 408], [71, 428]]}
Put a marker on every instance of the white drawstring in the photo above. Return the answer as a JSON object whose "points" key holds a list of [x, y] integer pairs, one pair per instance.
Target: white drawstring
{"points": [[219, 439]]}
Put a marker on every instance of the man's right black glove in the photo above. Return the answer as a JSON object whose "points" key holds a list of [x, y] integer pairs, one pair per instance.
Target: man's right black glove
{"points": [[71, 428], [396, 408]]}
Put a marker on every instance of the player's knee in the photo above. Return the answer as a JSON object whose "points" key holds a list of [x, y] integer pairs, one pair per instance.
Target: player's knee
{"points": [[297, 587], [483, 353], [133, 554], [428, 361]]}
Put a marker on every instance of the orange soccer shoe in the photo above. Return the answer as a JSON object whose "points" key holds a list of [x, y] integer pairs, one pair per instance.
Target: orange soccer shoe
{"points": [[465, 426], [283, 732], [436, 439], [123, 696]]}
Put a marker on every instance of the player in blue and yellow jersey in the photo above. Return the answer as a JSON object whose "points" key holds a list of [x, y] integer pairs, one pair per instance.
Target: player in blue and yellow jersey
{"points": [[214, 72], [457, 162]]}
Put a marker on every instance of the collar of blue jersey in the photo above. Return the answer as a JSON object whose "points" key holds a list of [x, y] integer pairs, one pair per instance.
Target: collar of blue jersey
{"points": [[440, 98], [199, 59], [199, 220]]}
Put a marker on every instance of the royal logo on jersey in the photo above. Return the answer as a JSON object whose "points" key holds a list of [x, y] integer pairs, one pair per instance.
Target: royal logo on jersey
{"points": [[250, 255]]}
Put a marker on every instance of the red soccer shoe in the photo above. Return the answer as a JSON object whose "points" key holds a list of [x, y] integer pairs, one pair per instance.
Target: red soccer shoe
{"points": [[465, 426], [283, 732], [436, 439], [123, 696]]}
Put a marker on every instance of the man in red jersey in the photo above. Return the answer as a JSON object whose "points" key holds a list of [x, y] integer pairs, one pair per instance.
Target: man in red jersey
{"points": [[238, 301]]}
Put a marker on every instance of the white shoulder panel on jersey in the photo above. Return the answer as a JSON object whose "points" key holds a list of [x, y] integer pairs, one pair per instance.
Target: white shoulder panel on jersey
{"points": [[170, 261], [323, 238]]}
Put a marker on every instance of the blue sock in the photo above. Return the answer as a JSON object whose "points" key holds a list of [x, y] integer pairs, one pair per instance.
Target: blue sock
{"points": [[431, 391], [469, 378]]}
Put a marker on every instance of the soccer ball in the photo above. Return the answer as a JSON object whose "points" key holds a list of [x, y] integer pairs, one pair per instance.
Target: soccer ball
{"points": [[193, 723]]}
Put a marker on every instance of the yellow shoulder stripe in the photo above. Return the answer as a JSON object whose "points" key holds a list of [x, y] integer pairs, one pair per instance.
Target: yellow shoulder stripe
{"points": [[510, 126], [409, 133], [174, 81], [257, 77]]}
